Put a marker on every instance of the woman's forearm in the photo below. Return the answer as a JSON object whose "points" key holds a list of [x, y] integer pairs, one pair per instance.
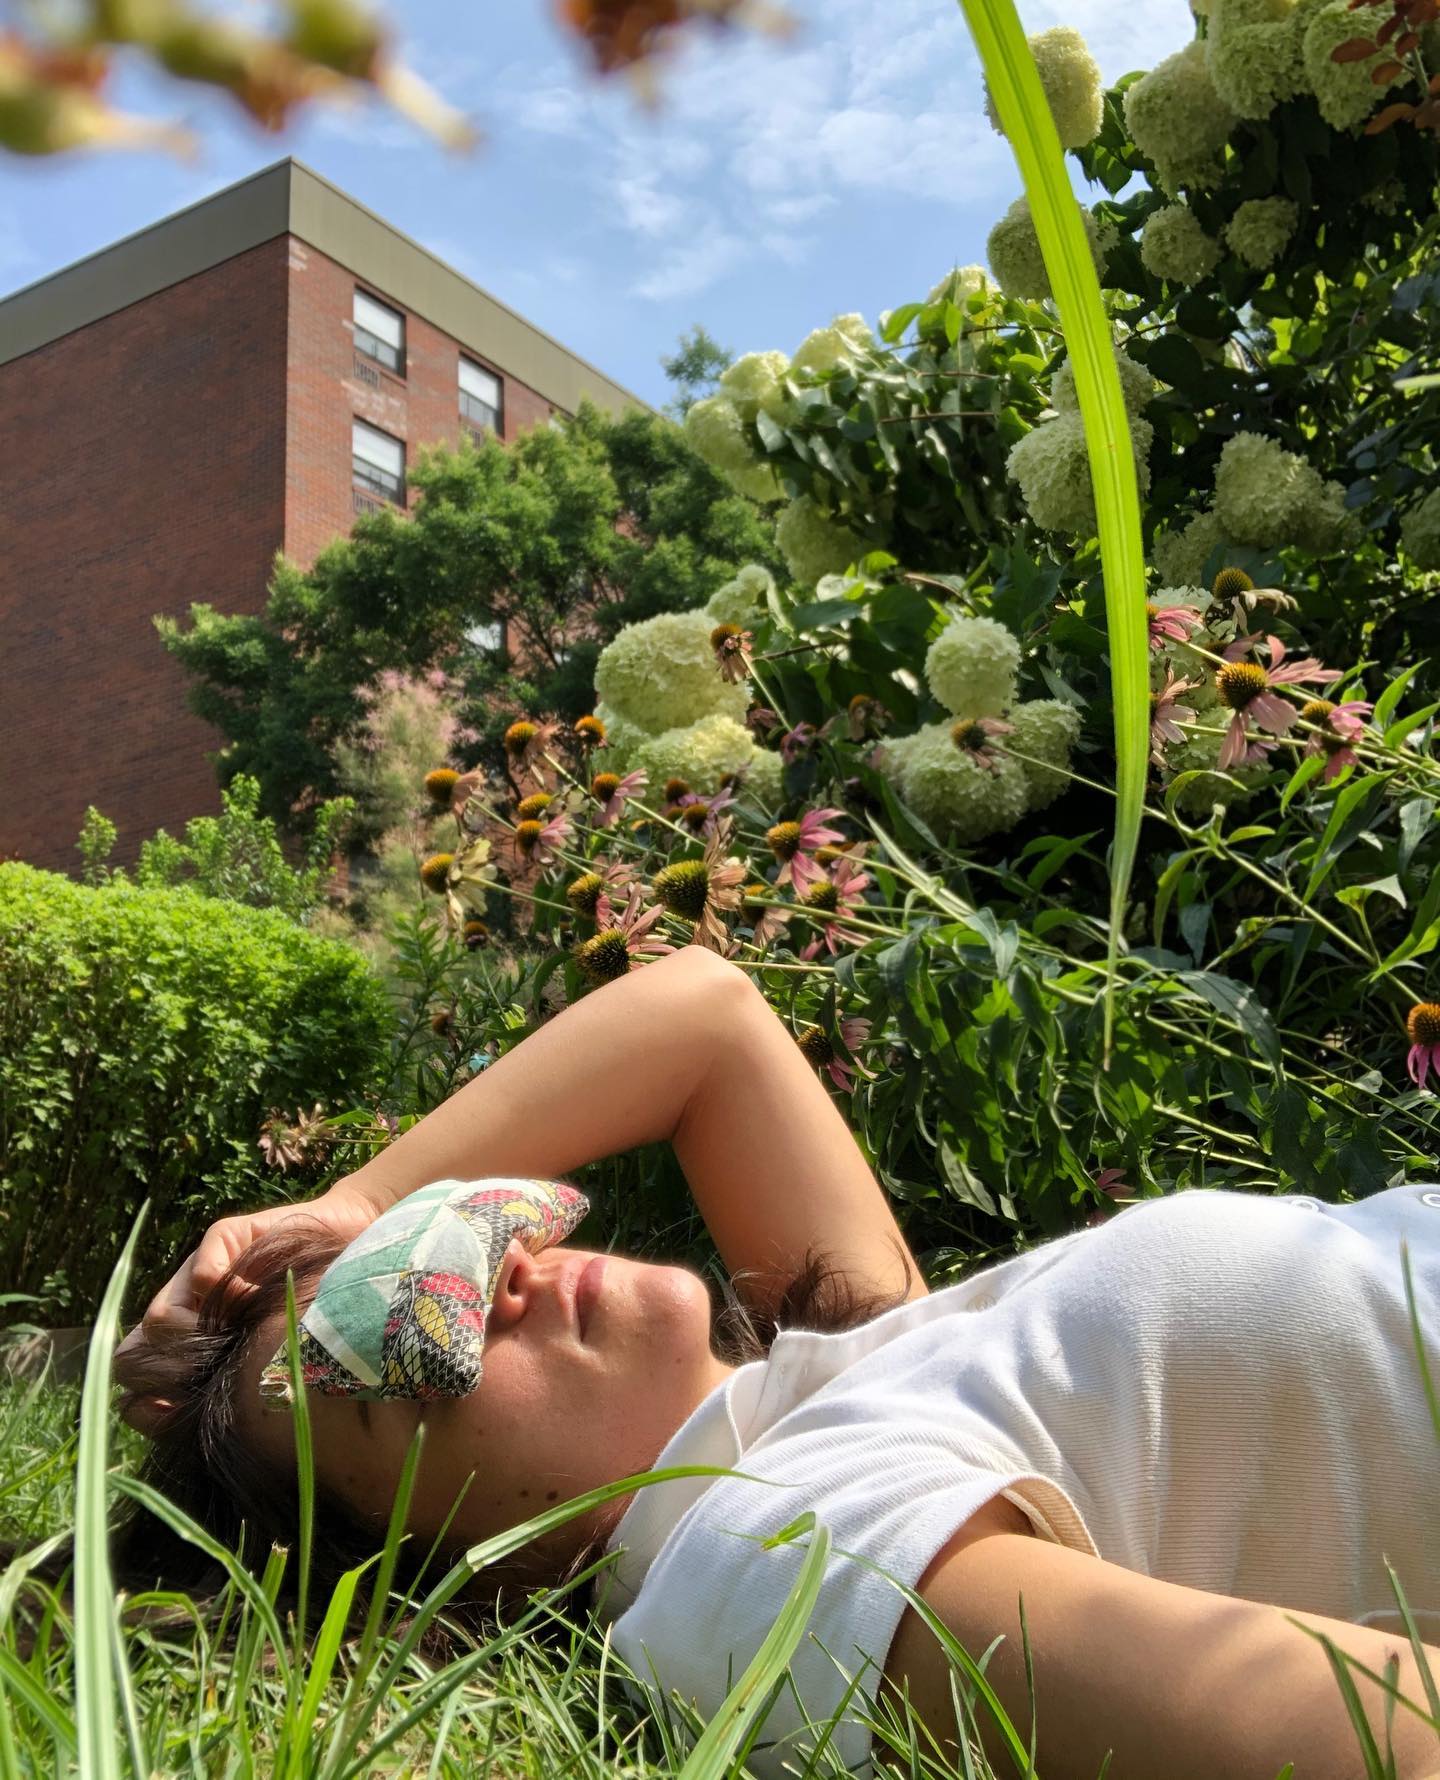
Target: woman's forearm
{"points": [[612, 1072]]}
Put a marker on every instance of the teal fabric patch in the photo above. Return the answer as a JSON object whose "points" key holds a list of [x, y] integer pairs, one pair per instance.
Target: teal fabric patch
{"points": [[401, 1311]]}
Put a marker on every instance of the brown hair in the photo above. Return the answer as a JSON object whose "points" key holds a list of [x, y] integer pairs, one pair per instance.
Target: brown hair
{"points": [[200, 1460]]}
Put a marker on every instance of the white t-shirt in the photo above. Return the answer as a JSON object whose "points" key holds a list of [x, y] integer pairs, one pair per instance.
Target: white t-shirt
{"points": [[1212, 1388]]}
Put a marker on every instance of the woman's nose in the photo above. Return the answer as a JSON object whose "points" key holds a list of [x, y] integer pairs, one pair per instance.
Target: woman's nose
{"points": [[514, 1283]]}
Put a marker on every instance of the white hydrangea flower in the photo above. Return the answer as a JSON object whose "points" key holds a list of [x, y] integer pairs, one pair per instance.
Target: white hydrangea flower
{"points": [[1137, 386], [622, 738], [1174, 246], [1052, 466], [1013, 249], [1179, 122], [1253, 49], [1420, 532], [971, 667], [957, 797], [701, 753], [661, 674], [1180, 556], [742, 599], [1260, 230], [714, 428], [1344, 91], [752, 381], [1266, 495], [841, 342], [1044, 729], [814, 544], [961, 283], [1071, 79], [890, 756]]}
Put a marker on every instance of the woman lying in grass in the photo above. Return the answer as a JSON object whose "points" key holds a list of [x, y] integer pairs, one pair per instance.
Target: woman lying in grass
{"points": [[1162, 1431]]}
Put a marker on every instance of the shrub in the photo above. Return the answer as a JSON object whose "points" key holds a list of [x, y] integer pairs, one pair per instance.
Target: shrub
{"points": [[144, 1035]]}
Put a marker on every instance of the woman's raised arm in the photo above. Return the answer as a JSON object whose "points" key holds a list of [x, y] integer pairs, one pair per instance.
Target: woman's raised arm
{"points": [[684, 1050]]}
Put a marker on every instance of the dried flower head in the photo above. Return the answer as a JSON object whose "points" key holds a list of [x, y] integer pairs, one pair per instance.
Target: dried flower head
{"points": [[440, 785], [435, 872]]}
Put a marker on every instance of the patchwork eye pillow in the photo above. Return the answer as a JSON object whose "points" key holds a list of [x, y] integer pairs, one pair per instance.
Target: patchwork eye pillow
{"points": [[401, 1312]]}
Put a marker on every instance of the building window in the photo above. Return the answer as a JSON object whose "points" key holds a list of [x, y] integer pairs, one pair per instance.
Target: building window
{"points": [[481, 400], [380, 332], [377, 462], [487, 636]]}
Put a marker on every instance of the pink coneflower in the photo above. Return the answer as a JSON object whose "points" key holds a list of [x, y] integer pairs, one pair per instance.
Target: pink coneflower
{"points": [[763, 721], [700, 890], [1247, 688], [286, 1143], [819, 1050], [1111, 1182], [1422, 1024], [1339, 727], [590, 894], [837, 896], [611, 791], [797, 741], [1171, 624], [1166, 715], [732, 652], [793, 843], [975, 734], [537, 843], [623, 945]]}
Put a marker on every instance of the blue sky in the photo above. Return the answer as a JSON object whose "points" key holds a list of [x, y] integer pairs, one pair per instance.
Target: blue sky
{"points": [[774, 187]]}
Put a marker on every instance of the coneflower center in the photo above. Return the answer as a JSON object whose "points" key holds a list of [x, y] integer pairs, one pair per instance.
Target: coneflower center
{"points": [[968, 734], [517, 735], [693, 816], [684, 887], [1316, 710], [583, 894], [604, 959], [527, 834], [1230, 582], [534, 805], [751, 909], [436, 870], [816, 1047], [823, 896], [722, 634], [604, 785], [1423, 1023], [1239, 682], [675, 789], [441, 783], [784, 839]]}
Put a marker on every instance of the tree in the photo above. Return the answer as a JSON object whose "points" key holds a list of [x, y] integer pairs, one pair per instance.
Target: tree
{"points": [[561, 538], [693, 368]]}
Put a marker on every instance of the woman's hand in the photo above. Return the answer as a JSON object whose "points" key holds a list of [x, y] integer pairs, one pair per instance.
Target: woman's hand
{"points": [[174, 1310]]}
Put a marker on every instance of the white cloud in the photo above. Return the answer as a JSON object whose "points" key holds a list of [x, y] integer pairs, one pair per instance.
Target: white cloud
{"points": [[687, 270]]}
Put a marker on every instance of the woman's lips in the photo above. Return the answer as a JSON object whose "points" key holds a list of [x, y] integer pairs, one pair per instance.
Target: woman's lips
{"points": [[587, 1291]]}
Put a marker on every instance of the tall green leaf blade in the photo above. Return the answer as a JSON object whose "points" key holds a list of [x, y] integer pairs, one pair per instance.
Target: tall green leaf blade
{"points": [[1024, 115]]}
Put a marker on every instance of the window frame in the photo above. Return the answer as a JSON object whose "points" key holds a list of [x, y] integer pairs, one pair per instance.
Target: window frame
{"points": [[370, 483], [358, 328], [463, 395]]}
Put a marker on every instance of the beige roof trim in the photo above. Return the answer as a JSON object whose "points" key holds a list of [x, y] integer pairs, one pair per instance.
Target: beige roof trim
{"points": [[289, 197]]}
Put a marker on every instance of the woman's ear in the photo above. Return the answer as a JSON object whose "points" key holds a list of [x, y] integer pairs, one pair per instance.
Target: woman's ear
{"points": [[147, 1411]]}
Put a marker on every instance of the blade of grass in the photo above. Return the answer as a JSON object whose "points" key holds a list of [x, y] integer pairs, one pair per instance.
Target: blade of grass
{"points": [[711, 1757], [98, 1638], [28, 1692], [1024, 115]]}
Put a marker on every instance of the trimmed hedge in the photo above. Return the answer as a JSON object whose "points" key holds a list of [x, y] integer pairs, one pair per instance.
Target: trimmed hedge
{"points": [[144, 1035]]}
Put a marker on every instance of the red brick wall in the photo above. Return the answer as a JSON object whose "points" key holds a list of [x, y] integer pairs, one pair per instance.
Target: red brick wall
{"points": [[330, 383], [142, 466], [160, 456]]}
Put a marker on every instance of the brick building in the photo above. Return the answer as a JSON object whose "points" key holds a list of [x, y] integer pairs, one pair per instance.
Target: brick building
{"points": [[243, 377]]}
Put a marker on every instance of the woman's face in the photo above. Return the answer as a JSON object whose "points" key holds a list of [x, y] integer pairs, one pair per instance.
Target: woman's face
{"points": [[577, 1390]]}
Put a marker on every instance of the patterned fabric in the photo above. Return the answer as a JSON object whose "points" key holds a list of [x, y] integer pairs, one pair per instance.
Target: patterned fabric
{"points": [[401, 1312]]}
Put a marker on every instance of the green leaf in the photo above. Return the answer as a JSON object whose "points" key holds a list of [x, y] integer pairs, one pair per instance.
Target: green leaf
{"points": [[1240, 1005], [1026, 119], [1391, 696], [1396, 732], [1354, 895]]}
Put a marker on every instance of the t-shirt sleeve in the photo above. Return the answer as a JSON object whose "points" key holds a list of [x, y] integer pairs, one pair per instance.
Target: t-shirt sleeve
{"points": [[712, 1594]]}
